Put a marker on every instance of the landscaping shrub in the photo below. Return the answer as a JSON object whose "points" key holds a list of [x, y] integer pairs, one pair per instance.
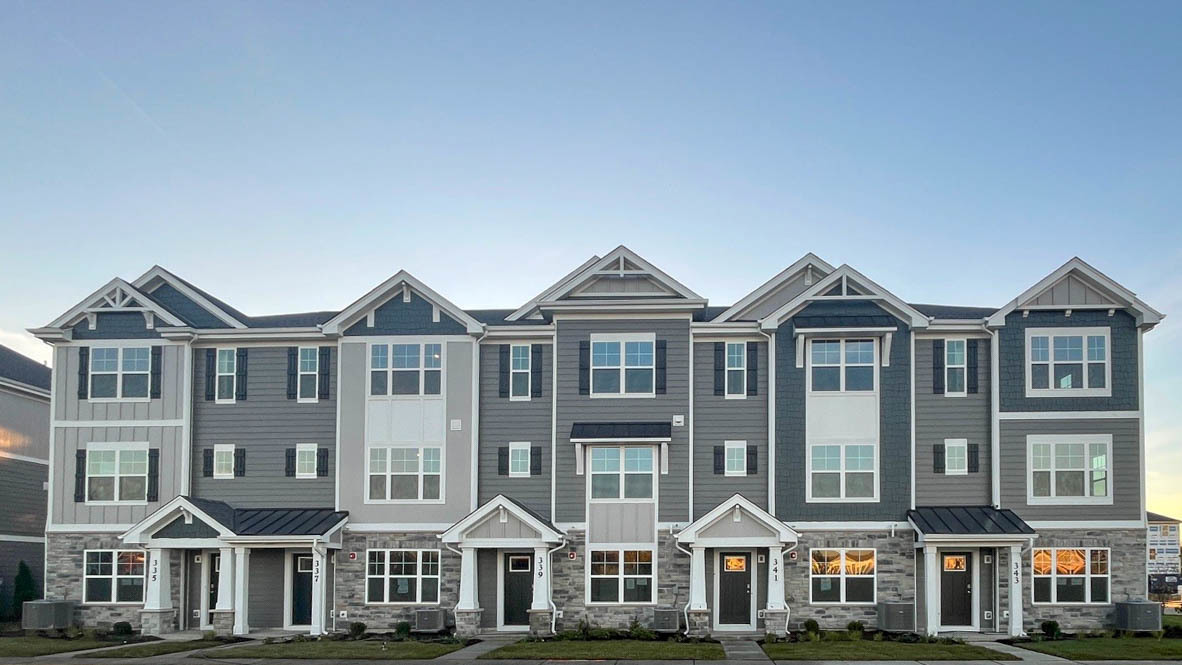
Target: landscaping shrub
{"points": [[639, 632], [909, 638], [811, 626], [356, 630], [209, 636], [121, 628], [402, 629], [855, 629], [23, 589], [1050, 629], [879, 636]]}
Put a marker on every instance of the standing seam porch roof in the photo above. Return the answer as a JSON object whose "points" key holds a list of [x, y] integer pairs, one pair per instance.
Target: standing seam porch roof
{"points": [[969, 521]]}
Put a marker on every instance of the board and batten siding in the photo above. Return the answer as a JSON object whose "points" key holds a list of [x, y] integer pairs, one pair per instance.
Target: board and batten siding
{"points": [[718, 420], [939, 417], [265, 425], [673, 488], [503, 420], [170, 405]]}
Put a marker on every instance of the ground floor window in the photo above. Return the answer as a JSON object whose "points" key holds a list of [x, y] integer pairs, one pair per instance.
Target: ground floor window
{"points": [[113, 576], [402, 576], [621, 576], [842, 576], [1070, 575]]}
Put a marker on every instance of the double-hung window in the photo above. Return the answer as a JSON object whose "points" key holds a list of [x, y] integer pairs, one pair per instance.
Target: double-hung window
{"points": [[843, 471], [223, 460], [1068, 362], [1070, 468], [113, 576], [119, 373], [405, 474], [519, 372], [1070, 575], [402, 576], [227, 365], [956, 457], [309, 370], [306, 460], [621, 576], [622, 365], [842, 365], [955, 367], [622, 473], [405, 369], [736, 370], [519, 459], [842, 576], [736, 458], [116, 472]]}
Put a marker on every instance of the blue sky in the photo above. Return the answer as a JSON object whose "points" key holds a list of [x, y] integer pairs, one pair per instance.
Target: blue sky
{"points": [[289, 156]]}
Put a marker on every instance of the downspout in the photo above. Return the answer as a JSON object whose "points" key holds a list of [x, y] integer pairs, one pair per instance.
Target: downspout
{"points": [[788, 613], [685, 608], [461, 555], [771, 421], [550, 594]]}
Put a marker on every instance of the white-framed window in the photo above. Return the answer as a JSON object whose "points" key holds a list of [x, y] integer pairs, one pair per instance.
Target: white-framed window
{"points": [[406, 369], [622, 473], [843, 472], [1069, 468], [405, 474], [736, 458], [841, 576], [519, 459], [227, 367], [519, 372], [402, 577], [309, 374], [119, 373], [303, 564], [956, 457], [520, 563], [843, 365], [736, 370], [623, 365], [621, 576], [1068, 362], [1070, 576], [955, 367], [306, 460], [223, 460], [113, 577], [116, 472]]}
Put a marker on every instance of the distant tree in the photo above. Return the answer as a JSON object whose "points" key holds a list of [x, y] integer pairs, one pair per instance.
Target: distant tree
{"points": [[23, 588]]}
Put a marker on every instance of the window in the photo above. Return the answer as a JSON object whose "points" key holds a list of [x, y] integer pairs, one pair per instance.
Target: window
{"points": [[116, 472], [842, 576], [113, 576], [402, 576], [309, 372], [842, 365], [954, 367], [736, 370], [226, 369], [736, 458], [405, 369], [119, 373], [1067, 361], [1069, 575], [303, 564], [622, 365], [621, 576], [518, 459], [223, 460], [1070, 468], [405, 474], [956, 457], [634, 477], [520, 563], [305, 460], [519, 372], [843, 471]]}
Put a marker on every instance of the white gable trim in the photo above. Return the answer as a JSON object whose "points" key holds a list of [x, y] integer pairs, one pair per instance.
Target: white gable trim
{"points": [[393, 287], [455, 533], [156, 272], [785, 276], [908, 313], [113, 294], [533, 303], [142, 531], [1144, 314], [783, 532]]}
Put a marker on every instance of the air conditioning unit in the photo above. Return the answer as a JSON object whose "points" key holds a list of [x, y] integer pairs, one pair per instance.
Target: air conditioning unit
{"points": [[896, 617], [666, 621], [47, 614], [430, 621], [1138, 615]]}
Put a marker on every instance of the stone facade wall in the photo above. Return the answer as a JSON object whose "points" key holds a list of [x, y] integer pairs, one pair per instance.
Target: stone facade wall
{"points": [[350, 579]]}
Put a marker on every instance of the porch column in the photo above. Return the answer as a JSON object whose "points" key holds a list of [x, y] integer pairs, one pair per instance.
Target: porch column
{"points": [[775, 578], [931, 589], [1016, 591], [226, 579], [467, 579], [241, 590], [541, 580], [158, 595], [698, 578], [318, 588]]}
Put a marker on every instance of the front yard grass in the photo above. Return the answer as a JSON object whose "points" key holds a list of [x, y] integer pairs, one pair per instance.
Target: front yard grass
{"points": [[345, 649], [157, 648], [884, 650], [1174, 620], [1109, 648], [609, 650], [40, 646]]}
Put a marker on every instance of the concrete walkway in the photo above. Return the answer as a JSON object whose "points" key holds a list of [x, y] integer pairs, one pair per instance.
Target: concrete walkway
{"points": [[486, 644], [742, 649]]}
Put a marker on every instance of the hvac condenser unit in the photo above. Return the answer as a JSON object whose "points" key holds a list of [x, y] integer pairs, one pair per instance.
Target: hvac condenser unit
{"points": [[666, 621], [1138, 615], [430, 621], [47, 614], [896, 617]]}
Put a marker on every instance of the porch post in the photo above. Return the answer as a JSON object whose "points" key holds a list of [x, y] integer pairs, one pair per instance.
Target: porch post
{"points": [[541, 580], [226, 579], [241, 590], [318, 587], [1016, 591], [158, 595], [467, 579], [775, 578], [698, 578], [931, 590]]}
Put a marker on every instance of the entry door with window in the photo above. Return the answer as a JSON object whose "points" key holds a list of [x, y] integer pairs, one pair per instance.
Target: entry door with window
{"points": [[734, 589], [301, 590], [215, 570], [956, 589], [518, 591]]}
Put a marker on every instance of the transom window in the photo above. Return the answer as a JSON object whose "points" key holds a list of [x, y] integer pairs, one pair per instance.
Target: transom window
{"points": [[843, 471], [1070, 575], [306, 460], [518, 459], [1067, 361], [402, 576], [405, 369], [736, 370], [622, 365], [309, 373], [116, 473], [405, 474], [845, 365], [519, 371], [227, 365], [113, 576], [119, 373], [621, 576], [1070, 468], [631, 479], [956, 457], [842, 576], [223, 460], [954, 367], [736, 458]]}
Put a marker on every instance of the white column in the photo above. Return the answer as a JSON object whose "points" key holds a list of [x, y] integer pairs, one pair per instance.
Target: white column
{"points": [[467, 580], [241, 590], [1016, 591], [158, 595], [226, 570], [775, 578], [541, 579], [931, 589], [698, 578], [318, 588]]}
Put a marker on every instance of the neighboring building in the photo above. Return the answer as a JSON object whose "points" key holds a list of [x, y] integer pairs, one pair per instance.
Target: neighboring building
{"points": [[1164, 565], [611, 448], [24, 468]]}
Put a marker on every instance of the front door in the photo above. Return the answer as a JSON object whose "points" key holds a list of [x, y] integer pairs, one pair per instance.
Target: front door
{"points": [[734, 588], [301, 590], [215, 568], [956, 589], [518, 589]]}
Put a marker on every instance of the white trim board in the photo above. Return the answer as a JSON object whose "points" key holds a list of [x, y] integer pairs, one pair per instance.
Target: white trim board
{"points": [[23, 458], [1066, 415], [21, 539]]}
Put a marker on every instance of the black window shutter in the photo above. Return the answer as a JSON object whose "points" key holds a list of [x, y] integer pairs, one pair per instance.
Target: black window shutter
{"points": [[83, 373], [938, 367], [503, 461], [974, 458], [535, 370], [719, 459], [322, 462], [752, 459], [324, 366], [211, 368], [293, 360], [585, 367], [153, 474], [938, 458], [970, 359], [752, 368], [503, 371], [239, 462], [157, 352], [240, 377], [207, 463], [289, 462], [720, 368], [80, 474], [535, 461], [659, 377]]}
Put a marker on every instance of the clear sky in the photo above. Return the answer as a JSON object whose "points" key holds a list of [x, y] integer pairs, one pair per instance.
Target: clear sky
{"points": [[289, 156]]}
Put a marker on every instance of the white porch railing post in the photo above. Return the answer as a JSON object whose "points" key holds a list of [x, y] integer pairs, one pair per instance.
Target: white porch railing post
{"points": [[241, 590], [1016, 591], [467, 579], [226, 570], [158, 595], [931, 589], [318, 588], [775, 578], [541, 579], [698, 578]]}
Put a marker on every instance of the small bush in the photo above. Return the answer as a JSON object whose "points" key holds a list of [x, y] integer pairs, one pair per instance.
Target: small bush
{"points": [[121, 628], [639, 632], [909, 638], [879, 636], [356, 630], [402, 629], [1050, 629], [811, 626], [855, 629], [23, 589], [601, 634], [209, 636]]}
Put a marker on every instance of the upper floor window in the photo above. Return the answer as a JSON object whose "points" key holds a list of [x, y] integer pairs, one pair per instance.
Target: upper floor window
{"points": [[843, 472], [519, 459], [621, 473], [955, 366], [1068, 468], [736, 369], [226, 371], [306, 460], [405, 369], [405, 474], [116, 473], [956, 457], [1070, 575], [113, 576], [120, 373], [519, 372], [846, 365], [842, 576], [622, 365], [736, 458], [223, 460], [309, 370], [1068, 362]]}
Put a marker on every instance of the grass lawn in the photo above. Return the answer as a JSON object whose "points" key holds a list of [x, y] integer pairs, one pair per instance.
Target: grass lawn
{"points": [[1110, 648], [157, 648], [885, 650], [40, 646], [609, 650], [344, 649], [1171, 620]]}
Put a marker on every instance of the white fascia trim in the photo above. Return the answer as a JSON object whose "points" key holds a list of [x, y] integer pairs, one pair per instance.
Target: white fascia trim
{"points": [[646, 305], [24, 389], [138, 533], [1146, 315], [87, 528], [388, 527], [916, 318], [213, 337], [849, 526], [501, 333], [21, 539], [146, 304], [23, 458], [624, 439], [1067, 415], [174, 422], [454, 534], [176, 283], [566, 279], [1086, 523], [774, 283], [970, 540], [382, 292], [938, 329], [784, 534]]}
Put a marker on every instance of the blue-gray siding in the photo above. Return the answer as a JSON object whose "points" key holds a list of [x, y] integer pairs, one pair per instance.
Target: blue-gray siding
{"points": [[23, 495], [184, 308], [395, 317], [115, 325], [11, 555]]}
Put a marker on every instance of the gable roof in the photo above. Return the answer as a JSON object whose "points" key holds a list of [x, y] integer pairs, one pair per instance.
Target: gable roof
{"points": [[1083, 287], [865, 289], [156, 275], [386, 290], [805, 263], [22, 369], [546, 529], [783, 532], [1158, 517], [115, 296]]}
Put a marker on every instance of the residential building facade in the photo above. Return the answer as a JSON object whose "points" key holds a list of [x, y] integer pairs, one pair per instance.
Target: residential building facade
{"points": [[615, 449]]}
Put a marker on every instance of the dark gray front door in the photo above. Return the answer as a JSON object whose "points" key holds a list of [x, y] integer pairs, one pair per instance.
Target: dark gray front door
{"points": [[518, 591], [301, 590], [956, 589], [734, 588], [215, 567]]}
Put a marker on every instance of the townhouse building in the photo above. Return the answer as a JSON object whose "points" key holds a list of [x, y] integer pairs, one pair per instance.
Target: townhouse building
{"points": [[612, 450]]}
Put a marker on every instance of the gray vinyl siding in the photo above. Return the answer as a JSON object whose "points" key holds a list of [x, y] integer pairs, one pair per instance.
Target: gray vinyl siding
{"points": [[486, 586], [170, 405], [266, 424], [572, 407], [11, 555], [1126, 468], [24, 425], [773, 300], [395, 317], [115, 325], [939, 417], [267, 584], [717, 420], [503, 420], [184, 308], [22, 493]]}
